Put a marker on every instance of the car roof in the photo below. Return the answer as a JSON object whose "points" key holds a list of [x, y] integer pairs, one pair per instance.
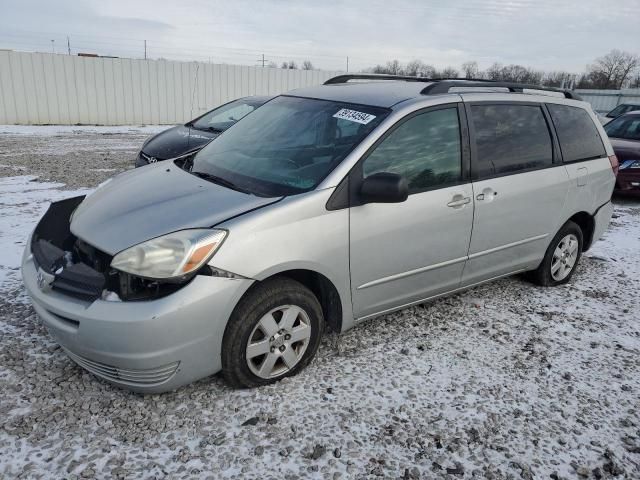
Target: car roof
{"points": [[375, 93], [389, 90]]}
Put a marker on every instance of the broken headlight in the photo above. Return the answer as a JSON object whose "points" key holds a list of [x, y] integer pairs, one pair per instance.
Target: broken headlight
{"points": [[171, 256]]}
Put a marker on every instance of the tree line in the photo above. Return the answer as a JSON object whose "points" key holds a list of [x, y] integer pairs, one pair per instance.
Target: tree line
{"points": [[615, 70]]}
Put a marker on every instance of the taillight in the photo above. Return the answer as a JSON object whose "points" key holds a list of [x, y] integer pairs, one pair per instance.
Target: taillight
{"points": [[614, 164]]}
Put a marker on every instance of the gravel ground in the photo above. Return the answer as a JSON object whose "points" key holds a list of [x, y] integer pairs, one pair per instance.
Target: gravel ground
{"points": [[505, 381]]}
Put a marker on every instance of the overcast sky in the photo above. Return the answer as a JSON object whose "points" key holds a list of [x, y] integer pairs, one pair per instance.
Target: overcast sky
{"points": [[546, 34]]}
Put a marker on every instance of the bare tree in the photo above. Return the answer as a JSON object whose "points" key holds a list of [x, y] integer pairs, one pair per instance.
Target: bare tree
{"points": [[494, 72], [307, 65], [417, 68], [414, 68], [289, 65], [558, 79], [377, 69], [394, 67], [612, 70], [471, 70], [514, 73], [615, 70], [449, 72]]}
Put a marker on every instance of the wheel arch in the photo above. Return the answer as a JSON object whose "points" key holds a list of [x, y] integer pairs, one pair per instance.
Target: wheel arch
{"points": [[334, 302], [587, 224]]}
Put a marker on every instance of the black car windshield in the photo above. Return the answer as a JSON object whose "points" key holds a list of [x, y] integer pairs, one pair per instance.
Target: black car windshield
{"points": [[622, 109], [223, 117], [627, 127], [287, 146]]}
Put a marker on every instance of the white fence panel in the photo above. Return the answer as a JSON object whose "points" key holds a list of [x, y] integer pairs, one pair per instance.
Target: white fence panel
{"points": [[603, 101], [46, 88]]}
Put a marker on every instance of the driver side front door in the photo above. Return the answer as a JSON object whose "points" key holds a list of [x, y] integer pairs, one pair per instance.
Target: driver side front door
{"points": [[401, 253]]}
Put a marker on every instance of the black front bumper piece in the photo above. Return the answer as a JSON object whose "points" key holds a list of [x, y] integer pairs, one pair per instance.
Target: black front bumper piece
{"points": [[52, 246]]}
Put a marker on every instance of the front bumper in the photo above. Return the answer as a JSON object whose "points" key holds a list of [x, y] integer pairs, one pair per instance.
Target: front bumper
{"points": [[146, 346], [628, 182]]}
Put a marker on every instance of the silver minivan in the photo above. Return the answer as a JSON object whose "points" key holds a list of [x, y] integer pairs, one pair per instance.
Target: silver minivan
{"points": [[327, 206]]}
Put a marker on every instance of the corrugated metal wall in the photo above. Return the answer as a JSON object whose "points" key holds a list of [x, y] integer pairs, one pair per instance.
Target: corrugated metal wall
{"points": [[46, 88], [603, 101]]}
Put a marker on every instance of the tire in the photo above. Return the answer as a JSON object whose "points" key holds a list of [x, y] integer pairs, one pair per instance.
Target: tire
{"points": [[561, 258], [270, 321]]}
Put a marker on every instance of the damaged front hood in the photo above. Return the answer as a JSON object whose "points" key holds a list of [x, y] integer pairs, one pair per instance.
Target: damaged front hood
{"points": [[149, 202]]}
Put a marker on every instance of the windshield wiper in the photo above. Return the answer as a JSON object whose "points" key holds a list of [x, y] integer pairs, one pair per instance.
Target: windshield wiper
{"points": [[219, 180], [207, 129]]}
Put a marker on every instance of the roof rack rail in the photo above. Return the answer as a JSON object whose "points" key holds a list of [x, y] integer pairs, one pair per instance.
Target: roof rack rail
{"points": [[443, 86], [372, 76]]}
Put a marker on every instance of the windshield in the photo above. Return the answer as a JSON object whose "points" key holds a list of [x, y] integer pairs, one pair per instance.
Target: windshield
{"points": [[287, 146], [627, 127], [622, 109], [221, 118]]}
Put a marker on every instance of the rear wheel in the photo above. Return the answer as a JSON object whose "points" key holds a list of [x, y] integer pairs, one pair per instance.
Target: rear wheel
{"points": [[561, 258], [274, 332]]}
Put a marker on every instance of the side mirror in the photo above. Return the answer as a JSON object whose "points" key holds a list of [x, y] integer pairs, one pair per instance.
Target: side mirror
{"points": [[384, 187]]}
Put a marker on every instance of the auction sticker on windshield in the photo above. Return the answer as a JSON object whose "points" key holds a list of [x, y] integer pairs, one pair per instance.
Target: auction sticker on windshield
{"points": [[354, 116]]}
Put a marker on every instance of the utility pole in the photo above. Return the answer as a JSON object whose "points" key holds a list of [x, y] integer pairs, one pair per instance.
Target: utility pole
{"points": [[262, 60], [347, 64], [145, 49], [68, 46], [53, 46]]}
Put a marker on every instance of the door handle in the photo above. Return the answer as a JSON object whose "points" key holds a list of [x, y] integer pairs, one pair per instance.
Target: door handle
{"points": [[458, 201]]}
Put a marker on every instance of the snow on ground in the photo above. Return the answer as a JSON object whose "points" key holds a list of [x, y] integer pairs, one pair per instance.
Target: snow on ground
{"points": [[58, 153], [505, 381], [50, 130], [23, 200]]}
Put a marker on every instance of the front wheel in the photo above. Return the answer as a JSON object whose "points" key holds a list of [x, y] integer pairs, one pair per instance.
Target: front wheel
{"points": [[561, 258], [274, 332]]}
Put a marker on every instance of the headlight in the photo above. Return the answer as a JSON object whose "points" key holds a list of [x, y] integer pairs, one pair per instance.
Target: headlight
{"points": [[170, 256]]}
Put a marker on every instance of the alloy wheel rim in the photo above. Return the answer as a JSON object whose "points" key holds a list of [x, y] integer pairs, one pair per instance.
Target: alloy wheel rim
{"points": [[564, 257], [278, 341]]}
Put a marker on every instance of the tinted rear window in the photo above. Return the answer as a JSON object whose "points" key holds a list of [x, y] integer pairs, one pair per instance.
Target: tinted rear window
{"points": [[510, 139], [578, 136]]}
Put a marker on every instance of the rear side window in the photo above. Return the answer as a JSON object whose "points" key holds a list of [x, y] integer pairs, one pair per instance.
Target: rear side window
{"points": [[425, 150], [578, 136], [510, 139]]}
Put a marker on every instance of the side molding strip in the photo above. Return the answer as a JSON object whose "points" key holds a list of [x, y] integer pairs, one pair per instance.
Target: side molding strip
{"points": [[411, 272], [508, 245], [416, 271]]}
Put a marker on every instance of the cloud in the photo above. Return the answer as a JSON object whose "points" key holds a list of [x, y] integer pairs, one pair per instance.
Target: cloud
{"points": [[540, 33]]}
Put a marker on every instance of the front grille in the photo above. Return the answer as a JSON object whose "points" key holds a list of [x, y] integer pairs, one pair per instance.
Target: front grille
{"points": [[147, 377]]}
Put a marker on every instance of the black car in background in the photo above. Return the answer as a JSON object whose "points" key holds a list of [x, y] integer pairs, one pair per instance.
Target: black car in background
{"points": [[624, 133], [194, 135], [618, 111]]}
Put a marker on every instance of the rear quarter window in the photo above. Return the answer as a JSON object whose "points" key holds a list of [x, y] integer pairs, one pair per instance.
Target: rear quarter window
{"points": [[578, 136], [510, 138]]}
